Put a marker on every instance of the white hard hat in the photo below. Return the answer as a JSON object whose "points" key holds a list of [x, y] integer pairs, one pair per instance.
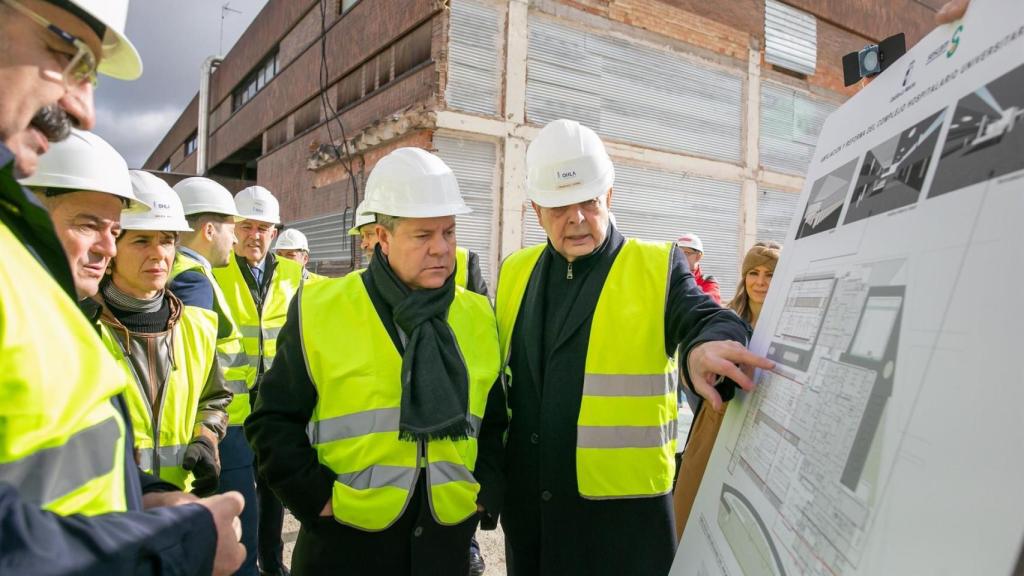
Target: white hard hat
{"points": [[119, 59], [567, 163], [292, 239], [413, 183], [690, 240], [85, 162], [199, 195], [257, 203], [165, 215], [362, 219]]}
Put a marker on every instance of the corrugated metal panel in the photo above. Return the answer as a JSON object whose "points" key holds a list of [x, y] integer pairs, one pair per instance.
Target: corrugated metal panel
{"points": [[328, 236], [790, 124], [790, 37], [475, 164], [775, 211], [630, 92], [660, 206], [473, 64]]}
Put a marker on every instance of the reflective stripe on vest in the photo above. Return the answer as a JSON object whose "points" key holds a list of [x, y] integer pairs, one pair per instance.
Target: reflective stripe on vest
{"points": [[354, 427], [61, 438], [172, 427], [626, 426], [461, 267], [259, 328], [232, 358]]}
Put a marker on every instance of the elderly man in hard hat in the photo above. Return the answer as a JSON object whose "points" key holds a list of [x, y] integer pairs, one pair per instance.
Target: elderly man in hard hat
{"points": [[292, 244], [589, 323], [365, 229], [693, 251], [70, 498], [380, 423], [179, 402], [211, 214], [258, 286]]}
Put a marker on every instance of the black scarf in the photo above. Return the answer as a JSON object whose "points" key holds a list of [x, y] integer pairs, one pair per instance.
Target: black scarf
{"points": [[435, 381]]}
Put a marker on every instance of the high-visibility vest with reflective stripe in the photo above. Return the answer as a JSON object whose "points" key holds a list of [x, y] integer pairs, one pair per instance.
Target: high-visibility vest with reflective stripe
{"points": [[61, 438], [162, 437], [259, 328], [461, 267], [626, 427], [230, 354], [354, 428]]}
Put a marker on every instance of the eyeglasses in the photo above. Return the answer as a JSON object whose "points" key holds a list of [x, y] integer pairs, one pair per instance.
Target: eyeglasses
{"points": [[82, 66]]}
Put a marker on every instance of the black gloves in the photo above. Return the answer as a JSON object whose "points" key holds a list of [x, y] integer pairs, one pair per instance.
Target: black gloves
{"points": [[202, 460]]}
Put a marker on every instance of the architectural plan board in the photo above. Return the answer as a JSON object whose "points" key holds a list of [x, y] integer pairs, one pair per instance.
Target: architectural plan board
{"points": [[889, 439]]}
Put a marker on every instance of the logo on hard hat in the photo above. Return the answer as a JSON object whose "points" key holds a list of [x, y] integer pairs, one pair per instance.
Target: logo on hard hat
{"points": [[257, 207], [566, 177], [161, 205]]}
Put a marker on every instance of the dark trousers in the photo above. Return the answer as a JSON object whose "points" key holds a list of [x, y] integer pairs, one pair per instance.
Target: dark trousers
{"points": [[237, 474], [271, 520], [415, 545]]}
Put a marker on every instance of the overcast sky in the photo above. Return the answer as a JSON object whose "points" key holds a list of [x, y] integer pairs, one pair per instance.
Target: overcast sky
{"points": [[174, 37]]}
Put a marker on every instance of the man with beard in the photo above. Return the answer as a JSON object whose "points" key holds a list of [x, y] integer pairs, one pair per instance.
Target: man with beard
{"points": [[70, 500]]}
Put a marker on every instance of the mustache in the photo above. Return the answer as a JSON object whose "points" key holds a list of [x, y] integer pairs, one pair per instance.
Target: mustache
{"points": [[53, 122]]}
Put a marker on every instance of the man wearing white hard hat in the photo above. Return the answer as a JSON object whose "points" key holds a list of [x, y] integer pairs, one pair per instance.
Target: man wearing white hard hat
{"points": [[293, 245], [365, 229], [258, 286], [380, 422], [211, 213], [693, 251], [84, 518], [589, 323], [178, 404]]}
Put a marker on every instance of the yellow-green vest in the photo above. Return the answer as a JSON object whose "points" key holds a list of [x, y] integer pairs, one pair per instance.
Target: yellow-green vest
{"points": [[259, 328], [356, 370], [61, 438], [161, 438], [461, 267], [626, 428], [310, 277], [230, 355]]}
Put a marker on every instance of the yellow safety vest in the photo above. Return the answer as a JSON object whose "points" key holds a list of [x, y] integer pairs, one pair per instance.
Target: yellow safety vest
{"points": [[626, 428], [354, 428], [161, 438], [230, 355], [61, 438], [259, 328], [461, 267]]}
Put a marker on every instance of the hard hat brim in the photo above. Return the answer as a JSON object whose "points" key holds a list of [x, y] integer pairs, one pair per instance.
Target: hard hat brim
{"points": [[120, 58]]}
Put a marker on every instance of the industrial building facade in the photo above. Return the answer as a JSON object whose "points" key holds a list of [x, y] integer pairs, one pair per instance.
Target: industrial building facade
{"points": [[709, 110]]}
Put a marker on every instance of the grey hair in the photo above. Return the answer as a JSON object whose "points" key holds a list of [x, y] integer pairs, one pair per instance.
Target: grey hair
{"points": [[388, 222]]}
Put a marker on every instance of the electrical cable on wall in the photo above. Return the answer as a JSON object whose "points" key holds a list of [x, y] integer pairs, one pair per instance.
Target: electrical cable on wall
{"points": [[330, 113]]}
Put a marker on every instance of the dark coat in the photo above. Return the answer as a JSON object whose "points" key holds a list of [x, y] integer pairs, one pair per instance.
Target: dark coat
{"points": [[550, 529], [415, 544]]}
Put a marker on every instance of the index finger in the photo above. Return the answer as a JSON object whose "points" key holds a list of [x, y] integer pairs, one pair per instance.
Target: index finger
{"points": [[741, 355]]}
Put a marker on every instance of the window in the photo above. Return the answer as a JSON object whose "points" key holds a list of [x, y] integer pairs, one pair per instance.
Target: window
{"points": [[166, 167], [191, 143], [345, 5], [255, 81]]}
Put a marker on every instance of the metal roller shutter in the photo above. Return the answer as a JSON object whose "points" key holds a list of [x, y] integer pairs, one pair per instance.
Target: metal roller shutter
{"points": [[473, 74], [790, 124], [328, 237], [626, 91], [475, 164], [660, 206], [775, 211], [790, 38]]}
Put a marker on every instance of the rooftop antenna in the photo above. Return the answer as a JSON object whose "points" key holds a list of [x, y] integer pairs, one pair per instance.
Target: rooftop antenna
{"points": [[224, 10]]}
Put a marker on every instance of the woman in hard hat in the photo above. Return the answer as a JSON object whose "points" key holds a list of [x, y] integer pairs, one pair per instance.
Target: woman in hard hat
{"points": [[178, 406], [758, 268]]}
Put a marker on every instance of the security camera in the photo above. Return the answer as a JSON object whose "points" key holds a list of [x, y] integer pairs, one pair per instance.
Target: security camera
{"points": [[873, 59]]}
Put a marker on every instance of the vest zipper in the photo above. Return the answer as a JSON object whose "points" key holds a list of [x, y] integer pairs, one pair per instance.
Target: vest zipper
{"points": [[568, 272], [161, 396]]}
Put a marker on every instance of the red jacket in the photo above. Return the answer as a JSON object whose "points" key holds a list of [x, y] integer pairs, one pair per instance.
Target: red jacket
{"points": [[707, 283]]}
